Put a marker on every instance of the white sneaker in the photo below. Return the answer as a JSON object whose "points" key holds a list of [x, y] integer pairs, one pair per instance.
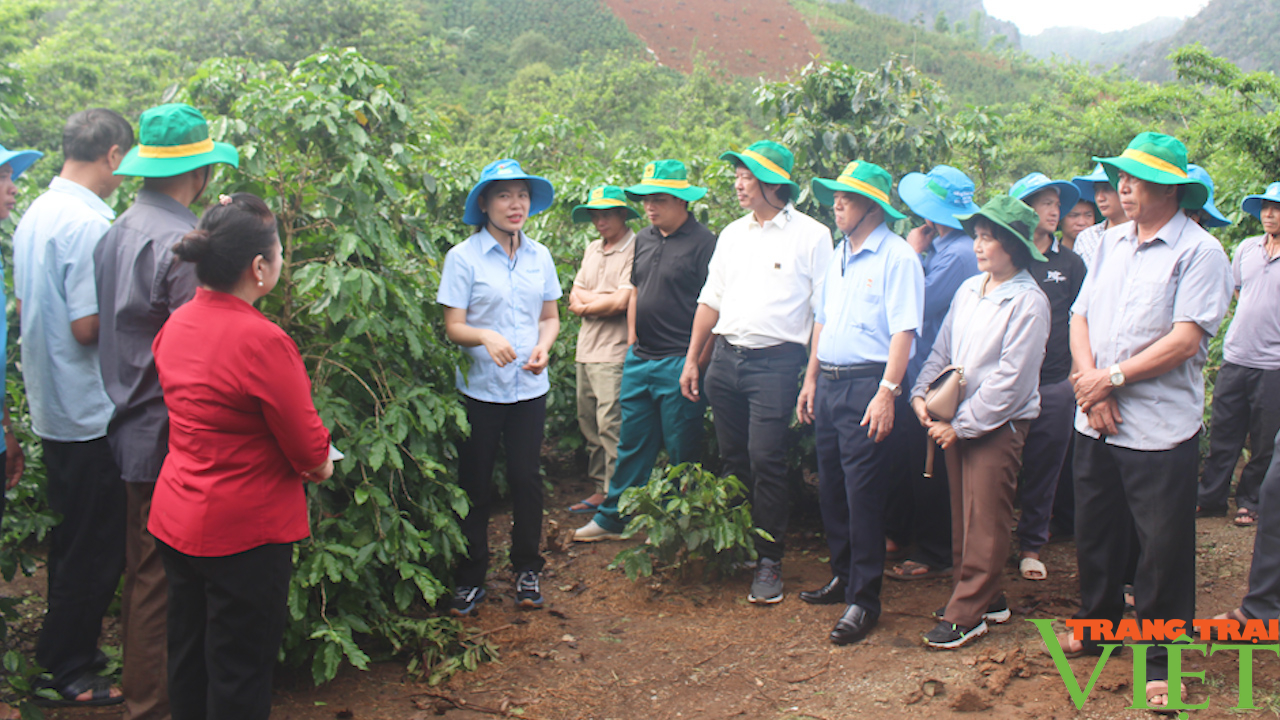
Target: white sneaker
{"points": [[591, 532]]}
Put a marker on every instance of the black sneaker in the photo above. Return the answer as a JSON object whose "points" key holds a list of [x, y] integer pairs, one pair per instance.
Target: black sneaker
{"points": [[949, 636], [766, 588], [466, 600], [528, 592], [997, 612]]}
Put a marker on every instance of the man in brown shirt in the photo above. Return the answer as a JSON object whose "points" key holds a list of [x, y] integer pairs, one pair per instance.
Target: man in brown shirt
{"points": [[601, 292]]}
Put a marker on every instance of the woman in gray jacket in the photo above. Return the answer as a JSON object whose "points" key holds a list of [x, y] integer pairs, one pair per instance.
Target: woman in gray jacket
{"points": [[996, 332]]}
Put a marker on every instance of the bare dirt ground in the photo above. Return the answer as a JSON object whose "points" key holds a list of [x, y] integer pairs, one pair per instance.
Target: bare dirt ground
{"points": [[608, 648], [753, 38]]}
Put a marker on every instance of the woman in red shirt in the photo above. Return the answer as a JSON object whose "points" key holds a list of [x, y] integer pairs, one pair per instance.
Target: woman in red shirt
{"points": [[244, 436]]}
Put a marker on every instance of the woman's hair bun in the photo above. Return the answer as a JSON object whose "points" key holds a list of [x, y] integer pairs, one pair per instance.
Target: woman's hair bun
{"points": [[193, 246]]}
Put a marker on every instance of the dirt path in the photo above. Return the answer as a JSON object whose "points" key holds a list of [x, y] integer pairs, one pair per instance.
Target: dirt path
{"points": [[608, 648]]}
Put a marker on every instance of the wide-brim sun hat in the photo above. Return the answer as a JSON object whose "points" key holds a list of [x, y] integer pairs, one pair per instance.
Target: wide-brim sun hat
{"points": [[1160, 159], [938, 195], [1085, 183], [864, 178], [541, 192], [770, 162], [666, 177], [1011, 214], [18, 160], [1211, 218], [1068, 193], [603, 197], [1252, 204], [173, 139]]}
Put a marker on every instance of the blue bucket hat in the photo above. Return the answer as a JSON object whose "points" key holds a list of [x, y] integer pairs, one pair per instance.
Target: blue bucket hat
{"points": [[541, 193], [1068, 193], [18, 160], [1084, 183], [1253, 203], [939, 195], [1212, 218]]}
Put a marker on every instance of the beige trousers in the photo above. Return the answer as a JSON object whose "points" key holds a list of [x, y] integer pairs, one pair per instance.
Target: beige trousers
{"points": [[600, 417]]}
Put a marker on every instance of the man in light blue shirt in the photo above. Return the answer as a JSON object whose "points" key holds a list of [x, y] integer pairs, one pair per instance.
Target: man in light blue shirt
{"points": [[871, 309], [53, 278]]}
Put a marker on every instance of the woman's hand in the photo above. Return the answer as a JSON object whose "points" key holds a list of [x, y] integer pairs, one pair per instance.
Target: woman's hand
{"points": [[320, 474], [922, 414], [499, 349], [943, 434], [538, 360]]}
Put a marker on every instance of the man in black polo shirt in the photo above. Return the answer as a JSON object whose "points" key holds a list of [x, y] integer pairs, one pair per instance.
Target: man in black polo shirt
{"points": [[670, 269], [1060, 277]]}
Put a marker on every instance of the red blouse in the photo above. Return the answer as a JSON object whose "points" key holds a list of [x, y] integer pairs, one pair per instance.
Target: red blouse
{"points": [[242, 429]]}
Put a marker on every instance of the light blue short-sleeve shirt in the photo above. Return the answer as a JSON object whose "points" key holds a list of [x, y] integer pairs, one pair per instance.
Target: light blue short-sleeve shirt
{"points": [[868, 297], [503, 294], [53, 278]]}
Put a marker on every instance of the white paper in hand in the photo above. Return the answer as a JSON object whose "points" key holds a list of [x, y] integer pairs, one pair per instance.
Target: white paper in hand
{"points": [[334, 454]]}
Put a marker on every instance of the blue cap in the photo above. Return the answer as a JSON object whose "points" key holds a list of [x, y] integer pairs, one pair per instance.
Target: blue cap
{"points": [[1068, 193], [18, 160], [541, 193], [940, 195], [1253, 203], [1084, 183], [1212, 218]]}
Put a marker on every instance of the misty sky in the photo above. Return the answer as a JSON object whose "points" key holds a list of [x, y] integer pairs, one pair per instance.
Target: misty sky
{"points": [[1104, 15]]}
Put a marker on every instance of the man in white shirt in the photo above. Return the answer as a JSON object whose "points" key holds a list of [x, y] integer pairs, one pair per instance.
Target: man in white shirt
{"points": [[762, 289]]}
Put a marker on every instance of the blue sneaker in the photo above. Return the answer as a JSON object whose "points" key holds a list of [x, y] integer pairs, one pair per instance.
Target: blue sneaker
{"points": [[528, 592], [466, 600]]}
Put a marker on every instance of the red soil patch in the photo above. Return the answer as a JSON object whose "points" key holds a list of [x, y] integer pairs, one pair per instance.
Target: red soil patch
{"points": [[752, 38]]}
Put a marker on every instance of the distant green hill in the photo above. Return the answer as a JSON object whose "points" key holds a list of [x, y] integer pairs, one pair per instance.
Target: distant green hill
{"points": [[1246, 32], [968, 14], [1098, 48]]}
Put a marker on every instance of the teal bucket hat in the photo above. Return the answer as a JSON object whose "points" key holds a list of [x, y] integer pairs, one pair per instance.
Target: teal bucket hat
{"points": [[1011, 214], [1068, 193], [864, 178], [1160, 159], [770, 162], [939, 195], [173, 139], [1252, 204], [666, 176], [1085, 183], [18, 160], [1211, 217], [541, 192], [603, 197]]}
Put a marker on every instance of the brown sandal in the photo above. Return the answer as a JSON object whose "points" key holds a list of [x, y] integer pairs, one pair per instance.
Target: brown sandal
{"points": [[1245, 518]]}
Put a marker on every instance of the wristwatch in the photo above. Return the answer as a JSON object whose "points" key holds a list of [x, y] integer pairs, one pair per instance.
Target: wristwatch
{"points": [[895, 388], [1117, 377]]}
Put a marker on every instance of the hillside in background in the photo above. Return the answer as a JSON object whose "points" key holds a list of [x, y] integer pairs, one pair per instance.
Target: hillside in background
{"points": [[967, 14], [1246, 32], [1098, 48]]}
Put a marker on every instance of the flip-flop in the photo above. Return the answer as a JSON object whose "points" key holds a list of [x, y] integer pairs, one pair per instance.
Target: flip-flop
{"points": [[1161, 687], [1245, 517], [587, 507], [899, 572], [1237, 615], [1032, 569]]}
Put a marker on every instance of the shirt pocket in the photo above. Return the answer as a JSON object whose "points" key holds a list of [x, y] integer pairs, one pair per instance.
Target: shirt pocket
{"points": [[866, 311], [1151, 307]]}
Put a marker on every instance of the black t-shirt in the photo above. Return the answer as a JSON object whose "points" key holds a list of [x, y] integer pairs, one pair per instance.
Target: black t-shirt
{"points": [[1060, 277], [668, 275]]}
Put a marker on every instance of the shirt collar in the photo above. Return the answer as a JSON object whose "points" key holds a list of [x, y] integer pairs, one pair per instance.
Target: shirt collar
{"points": [[779, 221], [164, 202], [490, 243], [1170, 234], [626, 243], [1014, 286], [873, 241], [953, 235], [83, 194]]}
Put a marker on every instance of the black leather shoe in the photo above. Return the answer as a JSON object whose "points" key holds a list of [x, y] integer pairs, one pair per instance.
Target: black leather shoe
{"points": [[853, 626], [830, 594]]}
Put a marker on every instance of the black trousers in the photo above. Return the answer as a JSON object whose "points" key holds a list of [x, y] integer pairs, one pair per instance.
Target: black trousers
{"points": [[1246, 402], [853, 485], [226, 621], [1263, 600], [1042, 459], [753, 398], [918, 510], [1119, 491], [519, 427], [86, 553]]}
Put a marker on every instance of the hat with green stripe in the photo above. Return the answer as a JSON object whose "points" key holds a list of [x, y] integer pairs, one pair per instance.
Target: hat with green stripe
{"points": [[173, 139], [864, 178], [770, 162], [603, 197], [666, 176], [1160, 159]]}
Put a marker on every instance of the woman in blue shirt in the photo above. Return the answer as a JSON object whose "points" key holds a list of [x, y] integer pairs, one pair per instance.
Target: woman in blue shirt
{"points": [[499, 288]]}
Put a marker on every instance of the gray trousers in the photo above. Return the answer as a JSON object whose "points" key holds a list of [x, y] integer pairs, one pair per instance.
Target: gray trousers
{"points": [[1263, 600]]}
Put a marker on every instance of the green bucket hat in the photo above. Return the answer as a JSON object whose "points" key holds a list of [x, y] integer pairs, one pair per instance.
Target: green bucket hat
{"points": [[603, 197], [1011, 214], [1161, 159], [860, 177], [666, 176], [770, 162], [173, 139]]}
